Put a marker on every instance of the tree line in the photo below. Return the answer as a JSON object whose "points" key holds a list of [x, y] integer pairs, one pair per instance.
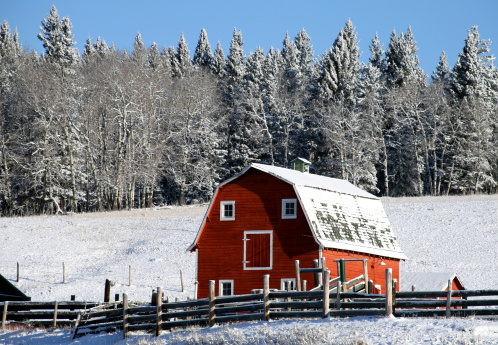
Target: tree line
{"points": [[111, 129]]}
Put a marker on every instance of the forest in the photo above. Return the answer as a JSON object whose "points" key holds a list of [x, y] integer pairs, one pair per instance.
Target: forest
{"points": [[111, 129]]}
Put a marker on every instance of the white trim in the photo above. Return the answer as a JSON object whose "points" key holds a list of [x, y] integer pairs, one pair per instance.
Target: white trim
{"points": [[223, 204], [245, 239], [220, 287], [284, 206], [284, 280]]}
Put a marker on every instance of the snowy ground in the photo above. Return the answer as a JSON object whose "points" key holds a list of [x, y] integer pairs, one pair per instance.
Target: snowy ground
{"points": [[444, 234]]}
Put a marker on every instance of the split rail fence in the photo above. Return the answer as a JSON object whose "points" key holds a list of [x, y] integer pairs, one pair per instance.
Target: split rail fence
{"points": [[331, 301]]}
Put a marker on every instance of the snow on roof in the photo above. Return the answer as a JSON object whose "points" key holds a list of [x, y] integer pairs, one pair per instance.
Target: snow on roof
{"points": [[298, 178], [426, 281]]}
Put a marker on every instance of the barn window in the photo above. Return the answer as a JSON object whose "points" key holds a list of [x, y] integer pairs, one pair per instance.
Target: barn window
{"points": [[289, 208], [226, 288], [227, 210], [288, 284], [258, 250]]}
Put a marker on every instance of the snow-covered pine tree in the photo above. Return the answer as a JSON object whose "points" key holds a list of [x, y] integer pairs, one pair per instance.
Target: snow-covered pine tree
{"points": [[203, 56], [58, 40], [219, 61], [182, 63], [154, 60], [305, 54], [139, 54], [474, 118]]}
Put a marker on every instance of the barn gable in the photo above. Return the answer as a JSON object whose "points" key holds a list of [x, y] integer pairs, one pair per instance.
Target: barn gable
{"points": [[340, 215]]}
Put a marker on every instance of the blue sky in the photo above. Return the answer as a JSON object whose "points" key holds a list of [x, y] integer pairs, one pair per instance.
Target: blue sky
{"points": [[437, 24]]}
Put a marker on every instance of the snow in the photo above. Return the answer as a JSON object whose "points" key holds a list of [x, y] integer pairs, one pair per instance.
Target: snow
{"points": [[443, 234]]}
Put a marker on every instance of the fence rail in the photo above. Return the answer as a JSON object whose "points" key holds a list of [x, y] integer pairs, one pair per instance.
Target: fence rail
{"points": [[334, 302]]}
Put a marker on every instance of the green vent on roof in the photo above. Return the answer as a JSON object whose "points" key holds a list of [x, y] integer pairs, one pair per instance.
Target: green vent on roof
{"points": [[301, 164]]}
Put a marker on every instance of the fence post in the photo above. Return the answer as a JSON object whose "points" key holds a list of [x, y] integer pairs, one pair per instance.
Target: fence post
{"points": [[107, 291], [326, 292], [317, 275], [159, 319], [211, 302], [4, 316], [448, 300], [56, 307], [371, 286], [298, 276], [324, 268], [389, 293], [181, 280], [338, 298], [63, 272], [18, 272], [129, 275], [126, 333], [266, 298], [365, 275]]}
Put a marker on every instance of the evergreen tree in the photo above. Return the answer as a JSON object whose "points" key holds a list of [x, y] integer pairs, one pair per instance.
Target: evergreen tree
{"points": [[401, 62], [442, 73], [139, 54], [219, 61], [340, 67], [203, 57], [182, 63], [153, 57], [57, 39], [305, 54]]}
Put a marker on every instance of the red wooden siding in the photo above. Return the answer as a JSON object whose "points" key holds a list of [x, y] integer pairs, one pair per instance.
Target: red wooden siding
{"points": [[258, 206]]}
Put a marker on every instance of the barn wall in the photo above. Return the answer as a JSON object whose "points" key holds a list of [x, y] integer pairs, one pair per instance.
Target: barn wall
{"points": [[376, 272], [258, 200]]}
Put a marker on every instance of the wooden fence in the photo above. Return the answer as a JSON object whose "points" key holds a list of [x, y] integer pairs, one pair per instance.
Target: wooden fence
{"points": [[331, 301], [44, 314]]}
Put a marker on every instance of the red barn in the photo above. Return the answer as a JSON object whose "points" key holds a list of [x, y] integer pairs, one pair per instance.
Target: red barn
{"points": [[264, 218]]}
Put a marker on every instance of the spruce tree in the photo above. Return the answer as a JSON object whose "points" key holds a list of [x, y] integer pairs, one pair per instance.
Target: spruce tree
{"points": [[139, 54], [219, 61], [203, 56], [182, 63], [58, 40]]}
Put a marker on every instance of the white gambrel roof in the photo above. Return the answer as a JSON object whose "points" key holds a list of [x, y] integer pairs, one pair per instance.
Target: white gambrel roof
{"points": [[340, 215]]}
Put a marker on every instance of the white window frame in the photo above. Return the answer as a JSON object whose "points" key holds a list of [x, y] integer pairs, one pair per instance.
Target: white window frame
{"points": [[289, 216], [222, 210], [258, 232], [284, 280], [220, 287]]}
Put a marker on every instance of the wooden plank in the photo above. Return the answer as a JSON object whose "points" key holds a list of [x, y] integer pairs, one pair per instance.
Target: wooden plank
{"points": [[240, 317], [296, 314], [239, 298], [240, 308], [188, 304], [185, 313], [296, 304], [311, 270], [296, 294]]}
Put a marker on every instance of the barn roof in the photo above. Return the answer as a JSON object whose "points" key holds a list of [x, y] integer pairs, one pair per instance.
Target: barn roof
{"points": [[428, 281], [340, 215]]}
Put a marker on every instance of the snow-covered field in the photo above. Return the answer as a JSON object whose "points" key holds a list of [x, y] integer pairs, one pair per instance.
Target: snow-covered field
{"points": [[443, 234]]}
